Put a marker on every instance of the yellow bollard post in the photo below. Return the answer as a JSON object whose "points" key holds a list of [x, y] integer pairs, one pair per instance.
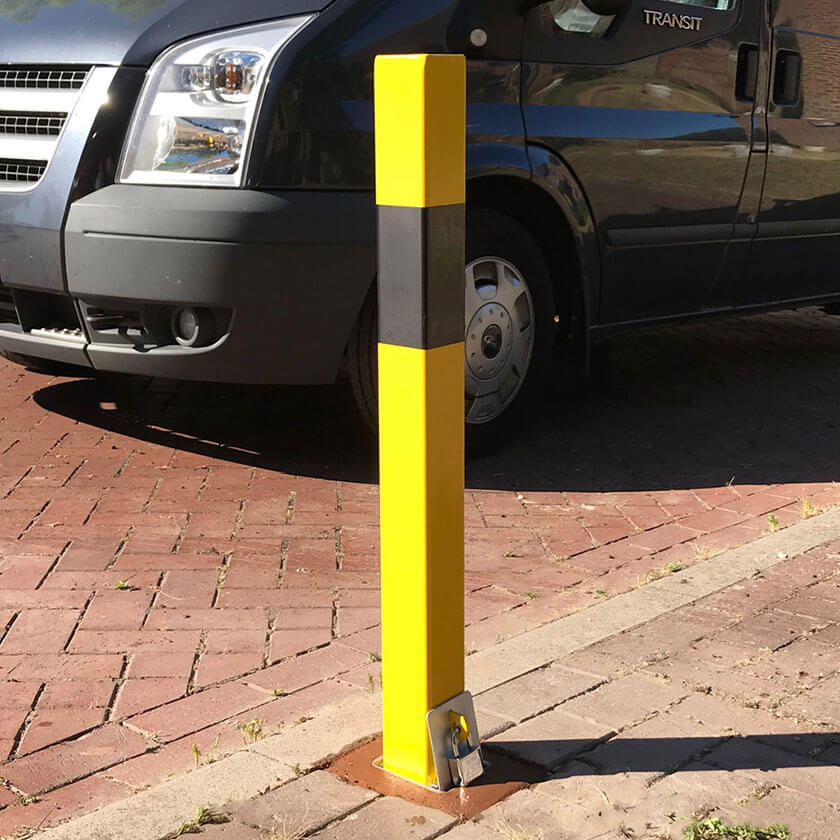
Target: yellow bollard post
{"points": [[420, 190]]}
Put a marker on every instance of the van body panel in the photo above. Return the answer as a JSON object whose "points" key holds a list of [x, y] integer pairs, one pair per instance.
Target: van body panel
{"points": [[651, 139], [797, 247], [90, 32], [500, 159], [660, 145], [316, 126], [551, 174]]}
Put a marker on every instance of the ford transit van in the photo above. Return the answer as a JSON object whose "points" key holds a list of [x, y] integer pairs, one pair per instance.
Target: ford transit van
{"points": [[186, 186]]}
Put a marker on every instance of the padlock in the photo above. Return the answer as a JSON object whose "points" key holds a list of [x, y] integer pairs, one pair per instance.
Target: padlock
{"points": [[464, 765], [455, 742]]}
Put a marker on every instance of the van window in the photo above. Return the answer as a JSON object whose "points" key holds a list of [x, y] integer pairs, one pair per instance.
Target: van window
{"points": [[573, 16]]}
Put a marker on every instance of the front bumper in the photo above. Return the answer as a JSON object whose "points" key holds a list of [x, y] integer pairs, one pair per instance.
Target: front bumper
{"points": [[283, 274]]}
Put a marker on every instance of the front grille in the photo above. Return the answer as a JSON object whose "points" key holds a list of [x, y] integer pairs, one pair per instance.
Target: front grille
{"points": [[35, 104], [22, 171], [8, 313], [49, 123], [42, 78]]}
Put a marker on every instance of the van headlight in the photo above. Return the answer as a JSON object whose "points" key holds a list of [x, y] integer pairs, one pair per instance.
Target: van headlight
{"points": [[195, 118]]}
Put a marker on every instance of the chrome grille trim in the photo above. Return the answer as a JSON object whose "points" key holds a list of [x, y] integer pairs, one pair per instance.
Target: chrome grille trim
{"points": [[42, 78], [48, 123], [35, 105], [21, 171]]}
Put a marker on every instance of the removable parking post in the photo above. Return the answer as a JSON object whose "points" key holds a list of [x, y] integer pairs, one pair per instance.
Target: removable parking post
{"points": [[420, 191]]}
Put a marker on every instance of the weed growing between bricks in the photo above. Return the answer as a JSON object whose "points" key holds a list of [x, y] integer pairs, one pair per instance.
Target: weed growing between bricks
{"points": [[205, 816], [713, 829]]}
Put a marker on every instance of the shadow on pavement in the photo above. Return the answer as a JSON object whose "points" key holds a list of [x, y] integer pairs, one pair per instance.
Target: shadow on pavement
{"points": [[752, 399], [662, 755], [313, 431]]}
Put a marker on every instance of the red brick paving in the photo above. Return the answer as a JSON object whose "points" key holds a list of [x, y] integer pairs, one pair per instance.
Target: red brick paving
{"points": [[177, 560]]}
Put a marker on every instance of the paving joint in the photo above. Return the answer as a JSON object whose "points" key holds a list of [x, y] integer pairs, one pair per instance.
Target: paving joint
{"points": [[338, 728]]}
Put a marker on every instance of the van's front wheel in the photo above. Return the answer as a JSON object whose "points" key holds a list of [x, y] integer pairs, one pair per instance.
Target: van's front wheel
{"points": [[509, 331]]}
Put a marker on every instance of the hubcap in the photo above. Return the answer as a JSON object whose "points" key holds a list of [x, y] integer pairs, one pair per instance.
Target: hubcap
{"points": [[491, 342], [499, 337]]}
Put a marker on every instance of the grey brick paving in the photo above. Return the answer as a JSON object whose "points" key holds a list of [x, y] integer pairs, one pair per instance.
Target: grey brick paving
{"points": [[304, 805], [389, 818], [536, 692]]}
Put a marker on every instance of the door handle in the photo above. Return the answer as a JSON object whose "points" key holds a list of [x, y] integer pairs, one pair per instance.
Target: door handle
{"points": [[746, 76], [787, 78]]}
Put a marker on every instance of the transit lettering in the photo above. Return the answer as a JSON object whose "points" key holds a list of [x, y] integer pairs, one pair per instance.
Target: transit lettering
{"points": [[688, 23]]}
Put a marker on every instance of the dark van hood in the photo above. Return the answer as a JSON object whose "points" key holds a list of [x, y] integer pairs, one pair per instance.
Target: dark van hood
{"points": [[122, 31]]}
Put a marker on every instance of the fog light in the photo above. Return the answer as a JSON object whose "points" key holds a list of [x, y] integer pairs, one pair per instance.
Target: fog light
{"points": [[193, 327]]}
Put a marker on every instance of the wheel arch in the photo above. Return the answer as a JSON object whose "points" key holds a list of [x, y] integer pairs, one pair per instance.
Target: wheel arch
{"points": [[552, 207]]}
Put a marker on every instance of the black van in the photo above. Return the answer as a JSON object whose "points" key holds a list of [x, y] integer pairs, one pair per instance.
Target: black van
{"points": [[186, 185]]}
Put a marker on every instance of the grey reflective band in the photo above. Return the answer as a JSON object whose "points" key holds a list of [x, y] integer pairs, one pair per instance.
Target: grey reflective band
{"points": [[421, 271]]}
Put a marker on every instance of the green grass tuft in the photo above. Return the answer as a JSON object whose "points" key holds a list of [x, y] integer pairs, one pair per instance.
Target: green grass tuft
{"points": [[713, 829], [205, 816]]}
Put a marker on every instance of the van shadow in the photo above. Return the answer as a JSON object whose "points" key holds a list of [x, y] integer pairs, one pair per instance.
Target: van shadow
{"points": [[751, 400]]}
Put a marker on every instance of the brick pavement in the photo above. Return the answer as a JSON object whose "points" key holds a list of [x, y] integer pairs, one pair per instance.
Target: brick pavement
{"points": [[185, 568], [702, 712]]}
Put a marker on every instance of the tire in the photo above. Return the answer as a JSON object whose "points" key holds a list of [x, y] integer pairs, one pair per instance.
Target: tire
{"points": [[510, 315], [494, 239], [362, 367]]}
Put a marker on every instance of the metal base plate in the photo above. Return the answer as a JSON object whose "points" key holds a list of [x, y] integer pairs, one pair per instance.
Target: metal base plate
{"points": [[440, 728], [379, 764]]}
